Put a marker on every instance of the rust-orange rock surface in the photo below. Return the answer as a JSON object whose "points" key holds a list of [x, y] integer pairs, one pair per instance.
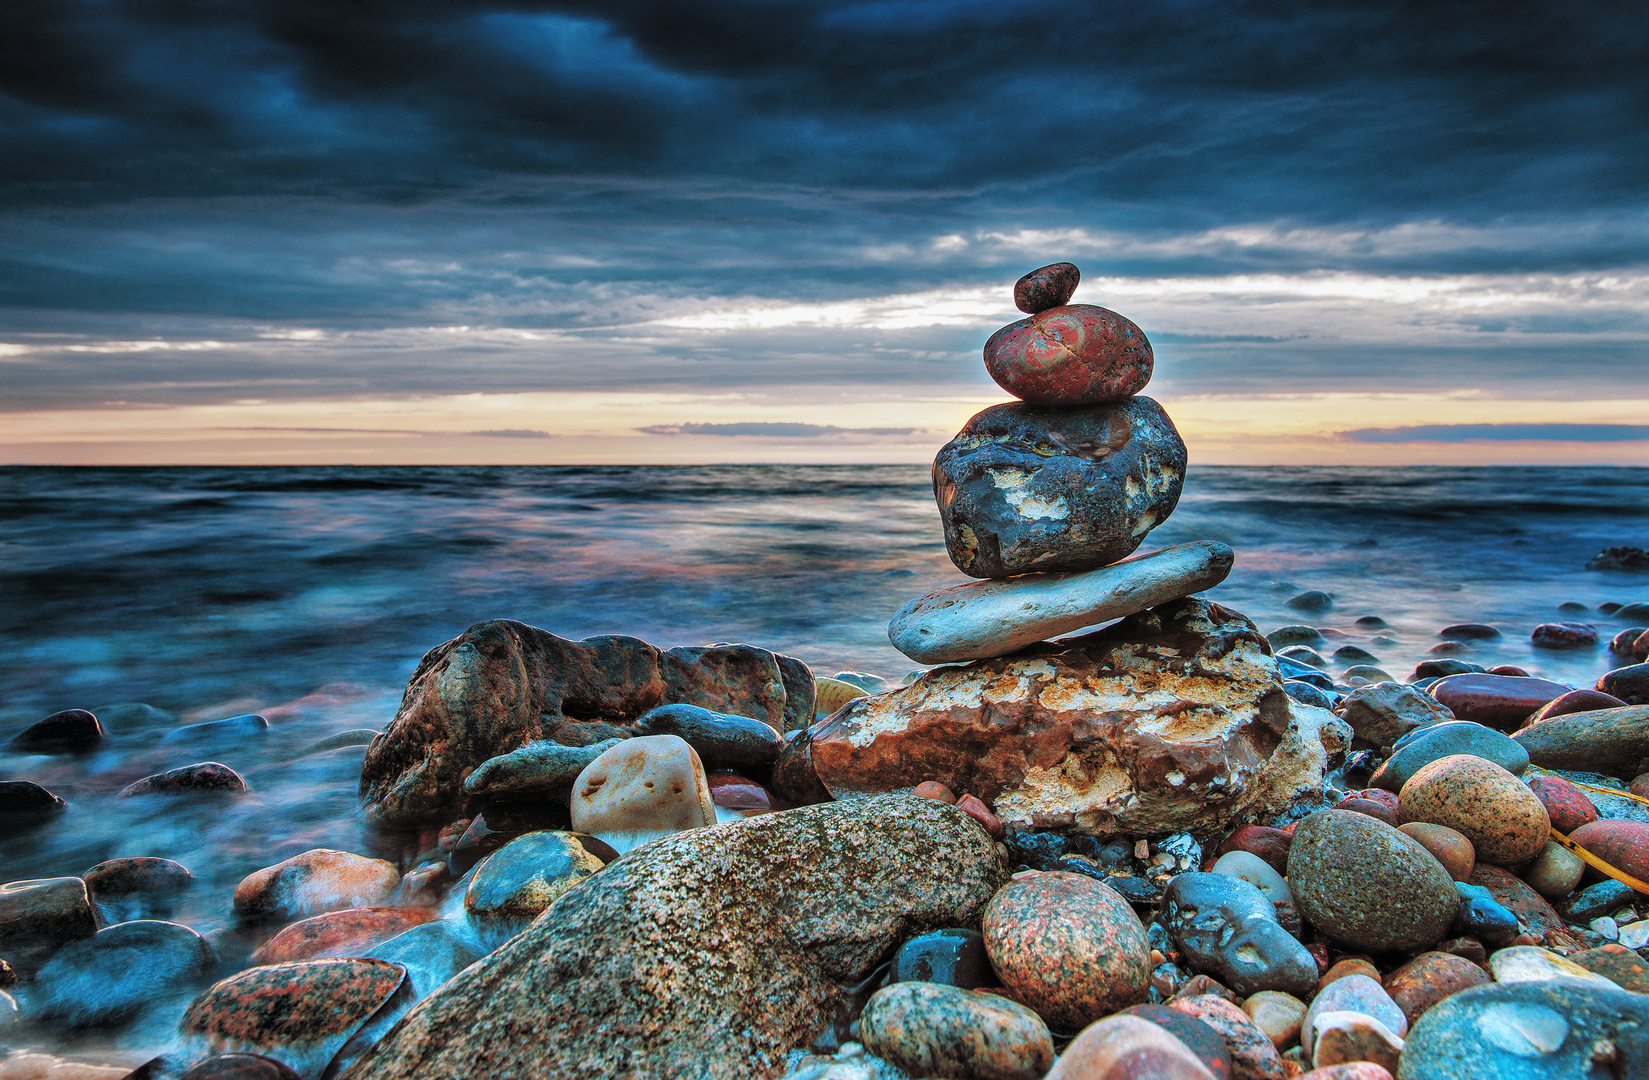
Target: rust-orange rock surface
{"points": [[1173, 719]]}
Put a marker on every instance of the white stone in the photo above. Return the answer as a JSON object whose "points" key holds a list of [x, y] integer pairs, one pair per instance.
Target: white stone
{"points": [[640, 790], [1257, 872], [1531, 963], [1606, 928], [1347, 1036], [1635, 935], [1356, 994], [982, 619]]}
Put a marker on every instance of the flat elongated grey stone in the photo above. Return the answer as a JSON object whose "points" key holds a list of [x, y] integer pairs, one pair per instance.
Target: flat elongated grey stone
{"points": [[539, 768], [978, 620]]}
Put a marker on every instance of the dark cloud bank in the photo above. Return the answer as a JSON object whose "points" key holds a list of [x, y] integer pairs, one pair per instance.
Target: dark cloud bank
{"points": [[197, 168]]}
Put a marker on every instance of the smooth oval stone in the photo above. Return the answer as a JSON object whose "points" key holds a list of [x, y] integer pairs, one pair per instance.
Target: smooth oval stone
{"points": [[642, 789], [24, 797], [1566, 805], [1597, 900], [537, 770], [933, 789], [1278, 1015], [202, 777], [1073, 354], [929, 1029], [1307, 694], [1555, 871], [234, 729], [1534, 915], [339, 933], [1529, 963], [1300, 654], [1629, 684], [832, 694], [1604, 740], [40, 915], [1482, 916], [982, 619], [352, 737], [117, 972], [1125, 1046], [1023, 488], [1068, 947], [1383, 713], [1498, 701], [136, 888], [1369, 675], [431, 953], [730, 791], [1349, 1036], [1250, 1049], [1622, 844], [519, 880], [1198, 1037], [1575, 701], [1502, 818], [1443, 668], [1623, 643], [1270, 844], [313, 883], [300, 1014], [1368, 885], [1354, 993], [1528, 1031], [1448, 846], [1564, 635], [722, 741], [1046, 287], [1615, 962], [1311, 600], [1351, 654], [1470, 632], [71, 731], [1430, 978], [1295, 635], [239, 1067], [955, 957], [1226, 927], [1257, 872], [1451, 739]]}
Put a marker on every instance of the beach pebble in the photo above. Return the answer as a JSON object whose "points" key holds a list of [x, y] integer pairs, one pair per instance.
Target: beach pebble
{"points": [[225, 733], [721, 741], [975, 807], [832, 694], [1270, 844], [1564, 635], [1575, 701], [1448, 846], [1351, 654], [1368, 885], [239, 1067], [1072, 354], [1448, 648], [72, 731], [1253, 1057], [929, 1029], [1354, 993], [1068, 947], [1532, 911], [1430, 671], [519, 880], [1555, 871], [1605, 740], [1620, 965], [730, 791], [1384, 712], [537, 770], [642, 789], [1529, 963], [202, 777], [1126, 1046], [1013, 498], [933, 789], [1622, 844], [39, 916], [1530, 1031], [1351, 965], [1198, 1037], [1278, 1015], [1629, 684], [1482, 916], [1046, 287], [1302, 654], [1566, 805], [1502, 818], [1470, 632], [339, 933], [1295, 635], [955, 957], [1343, 1038], [1420, 748], [1502, 702], [20, 798], [1428, 979], [1226, 927], [1635, 935], [313, 883], [120, 970], [981, 619], [1625, 642], [136, 888], [1374, 802], [1367, 675], [1307, 694], [1313, 600]]}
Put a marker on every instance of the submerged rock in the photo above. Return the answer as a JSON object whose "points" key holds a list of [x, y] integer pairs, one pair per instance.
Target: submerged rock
{"points": [[313, 883], [339, 933], [40, 916], [121, 970], [202, 777], [722, 947], [72, 731], [502, 685]]}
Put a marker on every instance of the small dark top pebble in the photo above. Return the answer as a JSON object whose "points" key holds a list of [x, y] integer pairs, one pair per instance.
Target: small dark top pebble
{"points": [[235, 727], [202, 776], [1307, 694], [1046, 287], [26, 797], [1313, 600], [67, 732], [1633, 612], [1373, 622], [1471, 631], [1351, 654]]}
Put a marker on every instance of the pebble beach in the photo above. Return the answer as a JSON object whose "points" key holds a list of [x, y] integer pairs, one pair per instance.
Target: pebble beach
{"points": [[1070, 759]]}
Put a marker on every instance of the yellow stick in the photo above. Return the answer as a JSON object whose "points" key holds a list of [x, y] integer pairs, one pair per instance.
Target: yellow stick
{"points": [[1599, 865]]}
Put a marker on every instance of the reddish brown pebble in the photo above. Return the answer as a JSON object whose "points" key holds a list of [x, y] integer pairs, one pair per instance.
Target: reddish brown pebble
{"points": [[1620, 965], [1198, 985], [1197, 1036], [1269, 844], [339, 933], [1498, 701], [1575, 701], [976, 809], [1072, 355], [1429, 978], [1351, 965], [1563, 635], [1353, 1070], [1502, 818], [1449, 846], [1319, 953], [1127, 1048], [933, 789], [1640, 786], [1467, 948], [1377, 810], [1067, 946], [1252, 1055], [1566, 805], [1509, 669], [1622, 844], [730, 791], [1046, 287], [1546, 926]]}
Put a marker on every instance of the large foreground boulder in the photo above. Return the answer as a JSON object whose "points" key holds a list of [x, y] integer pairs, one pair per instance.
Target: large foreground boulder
{"points": [[1173, 719], [710, 953], [503, 684]]}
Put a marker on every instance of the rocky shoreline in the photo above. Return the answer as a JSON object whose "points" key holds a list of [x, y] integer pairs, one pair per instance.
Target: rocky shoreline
{"points": [[1173, 847]]}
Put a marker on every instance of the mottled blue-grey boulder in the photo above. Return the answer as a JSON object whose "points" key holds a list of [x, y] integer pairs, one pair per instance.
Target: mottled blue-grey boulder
{"points": [[1437, 741], [1548, 1030], [121, 970], [726, 742], [1228, 928]]}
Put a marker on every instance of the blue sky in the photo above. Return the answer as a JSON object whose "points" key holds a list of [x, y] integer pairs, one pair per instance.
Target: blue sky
{"points": [[287, 231]]}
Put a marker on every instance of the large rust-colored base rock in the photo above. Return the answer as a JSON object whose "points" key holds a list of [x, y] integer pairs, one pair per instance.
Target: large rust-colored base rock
{"points": [[711, 953], [1173, 719], [503, 684]]}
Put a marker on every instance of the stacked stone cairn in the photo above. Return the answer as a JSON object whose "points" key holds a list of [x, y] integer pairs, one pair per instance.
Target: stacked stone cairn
{"points": [[1117, 854]]}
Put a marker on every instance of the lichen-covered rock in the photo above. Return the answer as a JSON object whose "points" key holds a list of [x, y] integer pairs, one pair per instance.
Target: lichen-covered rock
{"points": [[714, 951], [502, 685], [1367, 885], [1172, 720], [1026, 488]]}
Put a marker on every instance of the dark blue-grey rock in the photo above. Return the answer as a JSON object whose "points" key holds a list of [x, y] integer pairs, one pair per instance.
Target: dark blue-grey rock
{"points": [[1227, 928], [1035, 488], [71, 731], [1425, 745], [1351, 654], [1596, 900], [1437, 669], [1037, 850], [203, 777], [141, 887], [1469, 632], [1312, 600], [1482, 917], [1307, 694], [1294, 635], [23, 797], [955, 957], [1383, 713], [1317, 679], [1538, 1030], [1301, 654], [431, 953], [231, 732], [539, 770], [723, 742], [1638, 612], [41, 915], [1629, 684], [121, 970]]}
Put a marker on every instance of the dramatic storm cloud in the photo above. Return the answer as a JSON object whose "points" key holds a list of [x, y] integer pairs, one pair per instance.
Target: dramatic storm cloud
{"points": [[607, 231]]}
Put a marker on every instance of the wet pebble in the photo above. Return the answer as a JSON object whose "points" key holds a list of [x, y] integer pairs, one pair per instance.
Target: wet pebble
{"points": [[1430, 978], [1253, 1057], [1420, 748], [1555, 871], [1575, 701], [955, 957], [722, 741], [1349, 1037], [1629, 684], [339, 933], [1270, 844], [929, 1029], [1482, 916], [1227, 927], [1502, 818], [119, 971], [539, 770], [1620, 965], [1046, 287], [142, 887], [201, 777], [1564, 635], [72, 731], [1530, 963], [1533, 913], [40, 916], [20, 798], [1295, 635], [313, 883], [1351, 654], [1566, 805], [1307, 694], [1354, 993], [1470, 632], [1502, 702], [1304, 655], [1448, 846], [1368, 885], [1385, 712], [519, 880], [1072, 354], [1621, 844], [1313, 600], [1126, 1046], [1625, 642], [1278, 1015]]}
